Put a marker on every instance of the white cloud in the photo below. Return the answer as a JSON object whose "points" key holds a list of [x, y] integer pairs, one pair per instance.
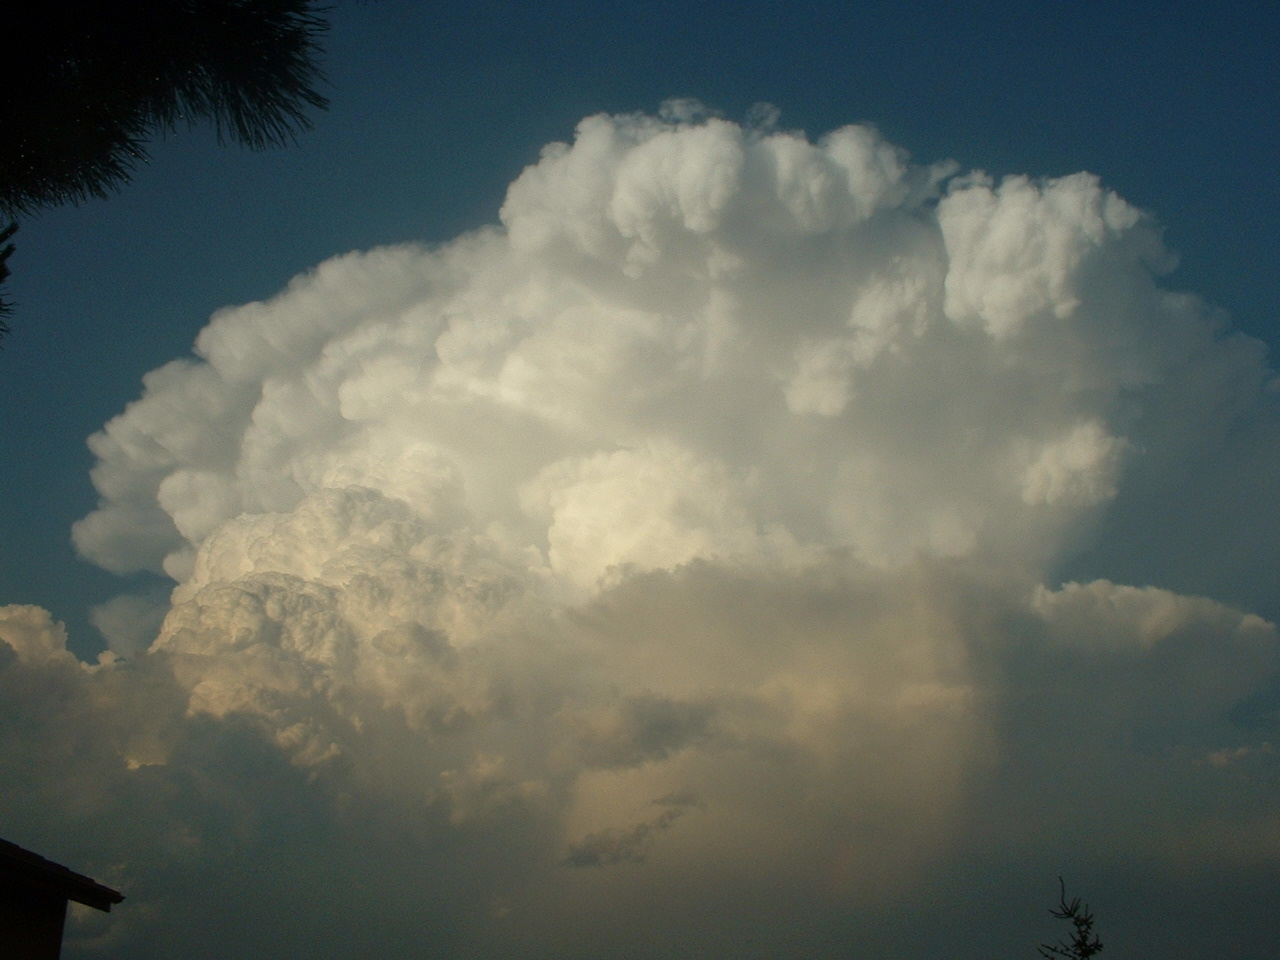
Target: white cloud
{"points": [[33, 635], [1079, 469], [664, 285], [694, 526]]}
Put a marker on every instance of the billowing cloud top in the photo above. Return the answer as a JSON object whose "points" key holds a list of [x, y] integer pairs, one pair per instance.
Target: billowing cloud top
{"points": [[680, 541]]}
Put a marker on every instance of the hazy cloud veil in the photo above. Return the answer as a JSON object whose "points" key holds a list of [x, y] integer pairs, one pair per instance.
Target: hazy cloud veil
{"points": [[678, 555]]}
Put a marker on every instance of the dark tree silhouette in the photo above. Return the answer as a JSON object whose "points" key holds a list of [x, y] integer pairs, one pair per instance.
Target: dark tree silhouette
{"points": [[91, 81], [88, 83], [1083, 943], [5, 309]]}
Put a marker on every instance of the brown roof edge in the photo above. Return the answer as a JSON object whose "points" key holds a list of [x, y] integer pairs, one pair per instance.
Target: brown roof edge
{"points": [[30, 869]]}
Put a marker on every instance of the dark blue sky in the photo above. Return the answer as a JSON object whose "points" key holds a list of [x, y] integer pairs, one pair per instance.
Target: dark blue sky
{"points": [[434, 110]]}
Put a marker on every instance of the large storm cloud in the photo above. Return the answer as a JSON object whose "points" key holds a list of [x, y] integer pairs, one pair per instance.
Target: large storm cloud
{"points": [[675, 566]]}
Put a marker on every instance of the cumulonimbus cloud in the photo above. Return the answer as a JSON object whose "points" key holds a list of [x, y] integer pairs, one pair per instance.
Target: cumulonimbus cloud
{"points": [[685, 537]]}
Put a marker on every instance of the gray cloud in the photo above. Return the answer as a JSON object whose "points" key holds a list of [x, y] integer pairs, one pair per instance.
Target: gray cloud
{"points": [[609, 847]]}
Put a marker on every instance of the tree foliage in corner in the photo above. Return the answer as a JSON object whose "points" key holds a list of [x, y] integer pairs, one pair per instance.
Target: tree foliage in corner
{"points": [[5, 235], [90, 82], [1083, 943]]}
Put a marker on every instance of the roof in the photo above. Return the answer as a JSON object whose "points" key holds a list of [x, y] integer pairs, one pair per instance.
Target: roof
{"points": [[32, 871]]}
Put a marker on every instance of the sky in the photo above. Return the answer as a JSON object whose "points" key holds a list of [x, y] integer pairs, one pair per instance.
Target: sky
{"points": [[654, 480]]}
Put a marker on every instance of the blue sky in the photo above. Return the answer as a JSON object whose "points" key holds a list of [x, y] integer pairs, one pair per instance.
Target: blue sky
{"points": [[824, 656]]}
